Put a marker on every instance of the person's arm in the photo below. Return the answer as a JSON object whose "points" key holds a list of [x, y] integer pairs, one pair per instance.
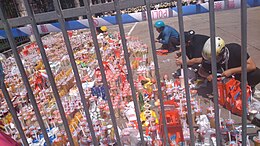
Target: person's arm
{"points": [[203, 73], [160, 36], [250, 67], [194, 61], [189, 61], [165, 38]]}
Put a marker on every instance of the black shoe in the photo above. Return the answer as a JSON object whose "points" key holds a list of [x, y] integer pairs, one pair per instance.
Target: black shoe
{"points": [[174, 49], [170, 51]]}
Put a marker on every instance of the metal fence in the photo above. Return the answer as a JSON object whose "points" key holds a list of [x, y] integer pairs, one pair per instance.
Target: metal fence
{"points": [[116, 5]]}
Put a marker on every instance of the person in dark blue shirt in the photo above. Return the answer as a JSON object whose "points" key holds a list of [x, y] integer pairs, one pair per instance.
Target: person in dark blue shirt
{"points": [[168, 37]]}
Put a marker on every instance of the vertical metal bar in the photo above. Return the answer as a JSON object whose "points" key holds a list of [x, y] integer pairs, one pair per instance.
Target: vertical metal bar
{"points": [[48, 70], [23, 74], [75, 69], [102, 70], [157, 74], [244, 68], [185, 69], [14, 115], [129, 70], [226, 4], [214, 69]]}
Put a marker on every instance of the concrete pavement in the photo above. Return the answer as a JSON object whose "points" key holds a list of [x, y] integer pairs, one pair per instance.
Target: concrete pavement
{"points": [[227, 26]]}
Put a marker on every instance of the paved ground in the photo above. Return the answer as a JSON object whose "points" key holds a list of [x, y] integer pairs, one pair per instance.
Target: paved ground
{"points": [[227, 26]]}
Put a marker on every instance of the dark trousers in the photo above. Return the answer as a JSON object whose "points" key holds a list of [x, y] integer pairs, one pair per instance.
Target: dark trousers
{"points": [[171, 46]]}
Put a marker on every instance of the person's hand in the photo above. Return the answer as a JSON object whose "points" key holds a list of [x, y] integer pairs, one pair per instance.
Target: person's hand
{"points": [[177, 55], [157, 41], [227, 73], [178, 62], [210, 78]]}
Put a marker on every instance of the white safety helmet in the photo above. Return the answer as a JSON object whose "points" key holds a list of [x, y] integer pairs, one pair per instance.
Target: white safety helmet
{"points": [[221, 50]]}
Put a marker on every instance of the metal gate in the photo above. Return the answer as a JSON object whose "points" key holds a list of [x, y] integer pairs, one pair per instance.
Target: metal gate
{"points": [[116, 6]]}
